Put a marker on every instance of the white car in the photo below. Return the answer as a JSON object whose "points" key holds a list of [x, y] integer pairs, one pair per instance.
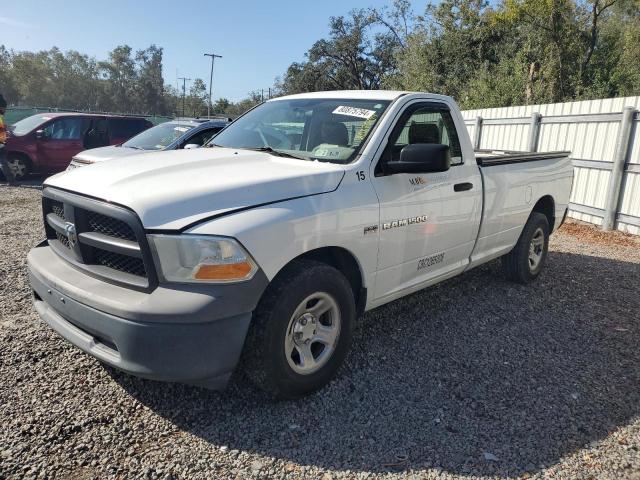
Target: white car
{"points": [[306, 212], [172, 135]]}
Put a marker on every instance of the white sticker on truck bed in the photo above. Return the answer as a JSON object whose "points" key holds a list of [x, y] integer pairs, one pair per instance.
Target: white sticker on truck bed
{"points": [[354, 112]]}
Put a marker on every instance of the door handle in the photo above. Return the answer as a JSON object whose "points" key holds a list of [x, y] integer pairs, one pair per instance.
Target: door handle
{"points": [[461, 187]]}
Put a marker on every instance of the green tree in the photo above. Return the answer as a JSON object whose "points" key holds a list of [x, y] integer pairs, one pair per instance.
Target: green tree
{"points": [[450, 45], [120, 75], [150, 84], [196, 101], [358, 54], [523, 51], [483, 54], [221, 105], [7, 84], [33, 78], [235, 109], [614, 67]]}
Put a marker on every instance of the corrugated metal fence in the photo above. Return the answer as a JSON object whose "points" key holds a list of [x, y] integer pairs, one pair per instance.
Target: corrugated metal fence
{"points": [[604, 140]]}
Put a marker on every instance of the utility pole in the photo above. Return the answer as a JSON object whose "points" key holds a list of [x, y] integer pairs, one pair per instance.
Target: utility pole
{"points": [[184, 90], [213, 59]]}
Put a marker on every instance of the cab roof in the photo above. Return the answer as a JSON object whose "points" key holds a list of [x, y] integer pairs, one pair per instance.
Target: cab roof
{"points": [[359, 95], [355, 94]]}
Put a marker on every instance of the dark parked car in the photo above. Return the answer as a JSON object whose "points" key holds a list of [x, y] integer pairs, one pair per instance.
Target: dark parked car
{"points": [[173, 135], [46, 142]]}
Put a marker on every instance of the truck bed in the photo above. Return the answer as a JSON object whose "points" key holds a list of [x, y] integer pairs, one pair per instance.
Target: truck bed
{"points": [[511, 188], [490, 158]]}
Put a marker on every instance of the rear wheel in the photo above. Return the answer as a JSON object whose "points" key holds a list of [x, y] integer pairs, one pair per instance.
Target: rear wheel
{"points": [[19, 166], [525, 262], [301, 330]]}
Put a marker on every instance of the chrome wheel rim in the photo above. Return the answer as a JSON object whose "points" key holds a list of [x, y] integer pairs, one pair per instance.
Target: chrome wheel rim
{"points": [[536, 249], [312, 333], [18, 167]]}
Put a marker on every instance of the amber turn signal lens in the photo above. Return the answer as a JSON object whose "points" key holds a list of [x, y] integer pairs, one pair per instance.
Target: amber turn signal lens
{"points": [[232, 271]]}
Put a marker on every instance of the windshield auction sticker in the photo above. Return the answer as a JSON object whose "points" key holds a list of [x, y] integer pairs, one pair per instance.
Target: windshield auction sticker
{"points": [[354, 112]]}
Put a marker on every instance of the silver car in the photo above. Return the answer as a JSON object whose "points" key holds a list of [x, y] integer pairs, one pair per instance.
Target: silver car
{"points": [[172, 135]]}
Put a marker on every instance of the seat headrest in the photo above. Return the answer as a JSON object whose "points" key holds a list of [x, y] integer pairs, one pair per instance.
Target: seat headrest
{"points": [[334, 133], [424, 133]]}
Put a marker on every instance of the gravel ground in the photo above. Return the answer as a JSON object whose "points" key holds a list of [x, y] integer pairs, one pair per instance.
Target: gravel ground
{"points": [[473, 378]]}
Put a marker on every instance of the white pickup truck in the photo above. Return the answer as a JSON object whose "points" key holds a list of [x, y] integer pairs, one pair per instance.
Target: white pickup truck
{"points": [[263, 249]]}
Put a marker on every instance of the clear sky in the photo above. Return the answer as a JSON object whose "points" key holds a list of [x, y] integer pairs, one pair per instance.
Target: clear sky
{"points": [[258, 39]]}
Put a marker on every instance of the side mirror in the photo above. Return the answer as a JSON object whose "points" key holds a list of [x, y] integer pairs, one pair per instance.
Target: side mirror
{"points": [[39, 134], [190, 146], [421, 158]]}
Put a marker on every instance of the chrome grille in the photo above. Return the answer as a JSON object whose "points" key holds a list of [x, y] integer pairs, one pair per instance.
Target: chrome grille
{"points": [[106, 240]]}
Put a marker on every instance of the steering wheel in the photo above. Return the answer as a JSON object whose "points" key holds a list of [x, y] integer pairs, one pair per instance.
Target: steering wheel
{"points": [[278, 139]]}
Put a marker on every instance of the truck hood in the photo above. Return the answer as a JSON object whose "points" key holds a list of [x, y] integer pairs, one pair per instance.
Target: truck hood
{"points": [[107, 153], [173, 189]]}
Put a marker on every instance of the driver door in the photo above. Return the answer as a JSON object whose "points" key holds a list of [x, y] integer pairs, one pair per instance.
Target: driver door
{"points": [[60, 140], [428, 221]]}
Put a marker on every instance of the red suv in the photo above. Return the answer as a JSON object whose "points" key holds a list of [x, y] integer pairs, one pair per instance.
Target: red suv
{"points": [[45, 143]]}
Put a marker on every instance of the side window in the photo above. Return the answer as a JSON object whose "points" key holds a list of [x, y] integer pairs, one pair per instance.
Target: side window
{"points": [[97, 135], [124, 128], [424, 124], [202, 137], [64, 129]]}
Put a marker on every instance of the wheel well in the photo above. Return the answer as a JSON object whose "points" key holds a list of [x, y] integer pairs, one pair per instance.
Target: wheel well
{"points": [[546, 206], [342, 260]]}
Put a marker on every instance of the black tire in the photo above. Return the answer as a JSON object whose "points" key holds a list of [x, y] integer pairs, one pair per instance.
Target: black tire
{"points": [[517, 264], [20, 167], [264, 358]]}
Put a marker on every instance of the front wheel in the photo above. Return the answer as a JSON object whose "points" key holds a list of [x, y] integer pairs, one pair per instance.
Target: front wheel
{"points": [[301, 330], [524, 263]]}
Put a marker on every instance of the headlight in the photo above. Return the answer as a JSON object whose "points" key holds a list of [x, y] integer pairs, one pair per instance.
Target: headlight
{"points": [[201, 258]]}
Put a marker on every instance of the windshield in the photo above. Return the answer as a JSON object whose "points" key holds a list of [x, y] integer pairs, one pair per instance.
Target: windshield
{"points": [[26, 125], [158, 137], [312, 129]]}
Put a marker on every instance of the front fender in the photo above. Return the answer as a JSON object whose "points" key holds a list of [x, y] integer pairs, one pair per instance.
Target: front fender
{"points": [[276, 234]]}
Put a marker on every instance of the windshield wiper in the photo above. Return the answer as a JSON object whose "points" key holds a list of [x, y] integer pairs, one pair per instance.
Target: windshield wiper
{"points": [[278, 153]]}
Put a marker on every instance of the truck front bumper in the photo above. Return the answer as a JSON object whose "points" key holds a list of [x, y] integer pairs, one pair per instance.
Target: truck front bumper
{"points": [[179, 333]]}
